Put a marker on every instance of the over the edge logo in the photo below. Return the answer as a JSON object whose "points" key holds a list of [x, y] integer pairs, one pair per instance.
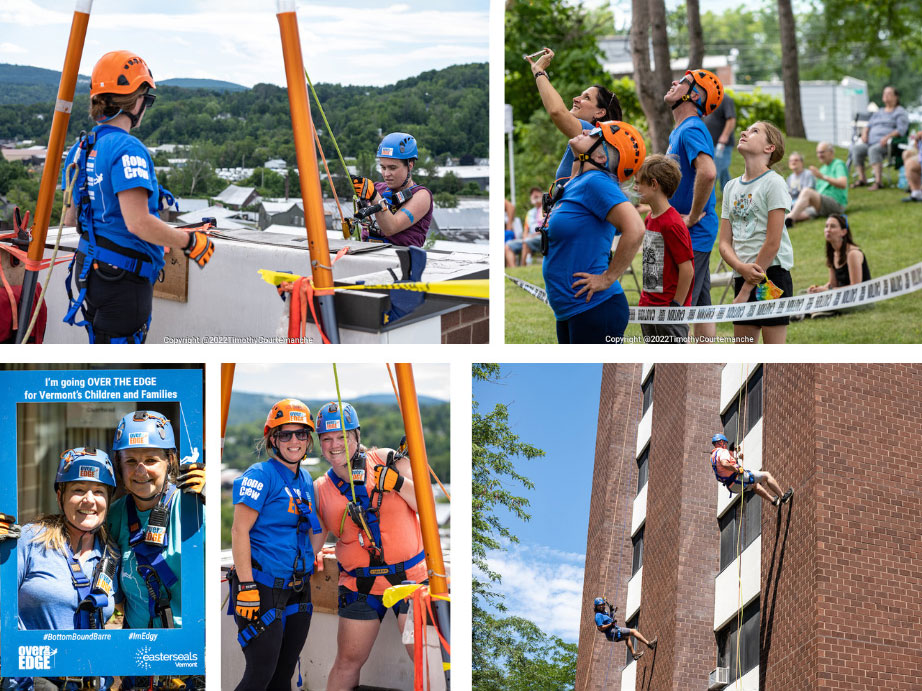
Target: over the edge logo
{"points": [[36, 656]]}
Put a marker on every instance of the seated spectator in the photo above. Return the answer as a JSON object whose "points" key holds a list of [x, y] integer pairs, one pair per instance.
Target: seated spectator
{"points": [[513, 232], [533, 220], [847, 263], [912, 159], [831, 193], [890, 121], [800, 178]]}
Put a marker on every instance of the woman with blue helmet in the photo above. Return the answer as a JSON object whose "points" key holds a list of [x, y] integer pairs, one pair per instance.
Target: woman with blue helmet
{"points": [[580, 272], [367, 500], [606, 623], [116, 198], [146, 522], [406, 207], [275, 536], [67, 568]]}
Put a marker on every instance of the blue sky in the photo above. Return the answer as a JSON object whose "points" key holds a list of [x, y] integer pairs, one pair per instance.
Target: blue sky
{"points": [[556, 408], [348, 42]]}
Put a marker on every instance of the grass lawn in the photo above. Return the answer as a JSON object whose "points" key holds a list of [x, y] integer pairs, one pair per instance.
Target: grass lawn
{"points": [[888, 231]]}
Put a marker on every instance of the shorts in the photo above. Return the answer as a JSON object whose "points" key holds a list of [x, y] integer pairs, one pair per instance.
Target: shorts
{"points": [[514, 245], [534, 243], [828, 205], [875, 153], [617, 633], [750, 477], [361, 610], [781, 278], [701, 288], [664, 333]]}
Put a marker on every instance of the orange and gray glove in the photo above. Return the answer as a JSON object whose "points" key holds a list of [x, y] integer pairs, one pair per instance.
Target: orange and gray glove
{"points": [[364, 188], [9, 530], [191, 478], [387, 479], [247, 604], [200, 247]]}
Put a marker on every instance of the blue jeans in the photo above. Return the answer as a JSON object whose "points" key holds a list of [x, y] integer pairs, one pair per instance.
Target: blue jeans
{"points": [[722, 162]]}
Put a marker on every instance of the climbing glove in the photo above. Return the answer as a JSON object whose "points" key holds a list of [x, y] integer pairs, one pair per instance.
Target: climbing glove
{"points": [[247, 605], [199, 248], [364, 188], [8, 527], [191, 478], [387, 479]]}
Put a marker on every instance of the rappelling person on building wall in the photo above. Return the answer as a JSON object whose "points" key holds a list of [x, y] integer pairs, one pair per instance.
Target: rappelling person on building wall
{"points": [[274, 538], [404, 209], [116, 198], [146, 523], [729, 471], [366, 499], [67, 565], [606, 623]]}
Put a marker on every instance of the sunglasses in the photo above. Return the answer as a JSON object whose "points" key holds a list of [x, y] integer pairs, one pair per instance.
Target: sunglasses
{"points": [[149, 100], [300, 434]]}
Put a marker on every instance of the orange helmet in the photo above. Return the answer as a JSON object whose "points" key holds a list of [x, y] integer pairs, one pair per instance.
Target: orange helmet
{"points": [[120, 72], [713, 90], [288, 411], [629, 144]]}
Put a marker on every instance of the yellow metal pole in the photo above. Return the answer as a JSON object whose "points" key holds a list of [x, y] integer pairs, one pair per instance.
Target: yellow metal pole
{"points": [[49, 182], [227, 383], [307, 164]]}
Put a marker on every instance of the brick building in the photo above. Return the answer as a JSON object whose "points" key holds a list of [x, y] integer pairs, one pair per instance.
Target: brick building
{"points": [[826, 591]]}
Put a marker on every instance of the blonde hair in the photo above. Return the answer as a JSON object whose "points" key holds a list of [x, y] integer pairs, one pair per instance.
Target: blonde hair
{"points": [[107, 105], [53, 533], [775, 138], [664, 170]]}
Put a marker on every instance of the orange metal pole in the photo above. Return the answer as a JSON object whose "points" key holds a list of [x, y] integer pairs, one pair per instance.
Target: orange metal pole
{"points": [[227, 383], [59, 124], [419, 462], [307, 164]]}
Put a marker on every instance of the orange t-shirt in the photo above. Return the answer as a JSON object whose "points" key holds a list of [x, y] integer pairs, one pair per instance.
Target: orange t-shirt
{"points": [[724, 462], [400, 535]]}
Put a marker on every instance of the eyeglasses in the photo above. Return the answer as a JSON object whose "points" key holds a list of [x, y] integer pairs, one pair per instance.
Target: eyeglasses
{"points": [[149, 100], [300, 434]]}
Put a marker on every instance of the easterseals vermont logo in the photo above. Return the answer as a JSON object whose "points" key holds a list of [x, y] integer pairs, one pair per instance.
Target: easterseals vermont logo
{"points": [[36, 657], [142, 658]]}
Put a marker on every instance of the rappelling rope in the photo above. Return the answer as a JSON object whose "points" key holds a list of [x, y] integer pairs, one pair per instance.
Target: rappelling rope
{"points": [[329, 177], [739, 561]]}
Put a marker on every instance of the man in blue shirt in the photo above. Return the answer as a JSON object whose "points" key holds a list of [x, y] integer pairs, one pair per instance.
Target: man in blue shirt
{"points": [[607, 624], [698, 93]]}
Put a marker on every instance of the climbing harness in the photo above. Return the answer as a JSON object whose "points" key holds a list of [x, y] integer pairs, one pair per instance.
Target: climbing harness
{"points": [[549, 200], [93, 249], [149, 546], [92, 594]]}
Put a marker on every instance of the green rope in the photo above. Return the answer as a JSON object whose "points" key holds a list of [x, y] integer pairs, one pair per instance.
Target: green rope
{"points": [[330, 130]]}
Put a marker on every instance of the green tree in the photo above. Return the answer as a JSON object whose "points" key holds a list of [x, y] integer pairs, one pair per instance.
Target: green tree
{"points": [[511, 652]]}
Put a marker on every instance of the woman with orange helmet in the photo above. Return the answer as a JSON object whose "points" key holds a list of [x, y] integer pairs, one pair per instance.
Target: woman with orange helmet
{"points": [[580, 273], [274, 538], [116, 198]]}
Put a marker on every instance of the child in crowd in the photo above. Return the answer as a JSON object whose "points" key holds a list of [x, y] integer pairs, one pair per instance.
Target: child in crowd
{"points": [[800, 178], [668, 260], [753, 239], [533, 220]]}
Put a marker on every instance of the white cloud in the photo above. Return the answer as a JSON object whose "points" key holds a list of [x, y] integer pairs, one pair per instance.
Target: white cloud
{"points": [[542, 584], [11, 49]]}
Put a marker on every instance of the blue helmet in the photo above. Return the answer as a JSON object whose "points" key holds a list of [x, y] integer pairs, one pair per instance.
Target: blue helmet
{"points": [[599, 601], [719, 437], [328, 419], [144, 429], [84, 465], [398, 145]]}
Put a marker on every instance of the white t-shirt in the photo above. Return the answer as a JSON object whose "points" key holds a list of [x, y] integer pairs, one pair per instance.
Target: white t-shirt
{"points": [[746, 205]]}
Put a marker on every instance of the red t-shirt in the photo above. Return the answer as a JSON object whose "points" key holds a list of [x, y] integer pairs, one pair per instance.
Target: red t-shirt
{"points": [[666, 244]]}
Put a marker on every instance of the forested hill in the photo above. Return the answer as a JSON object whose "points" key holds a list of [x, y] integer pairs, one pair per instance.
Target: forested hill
{"points": [[446, 110]]}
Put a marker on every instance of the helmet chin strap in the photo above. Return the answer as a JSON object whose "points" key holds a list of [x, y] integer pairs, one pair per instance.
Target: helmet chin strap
{"points": [[586, 157], [687, 97]]}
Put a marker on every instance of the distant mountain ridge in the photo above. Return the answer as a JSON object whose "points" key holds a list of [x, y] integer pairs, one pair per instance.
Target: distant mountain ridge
{"points": [[24, 84]]}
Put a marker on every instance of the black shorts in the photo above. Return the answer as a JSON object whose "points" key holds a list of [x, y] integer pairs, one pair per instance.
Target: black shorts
{"points": [[781, 278]]}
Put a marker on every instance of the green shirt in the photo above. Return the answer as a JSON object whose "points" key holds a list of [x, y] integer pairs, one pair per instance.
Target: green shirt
{"points": [[137, 614], [836, 169]]}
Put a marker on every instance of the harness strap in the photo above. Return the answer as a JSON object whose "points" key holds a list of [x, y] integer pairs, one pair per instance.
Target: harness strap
{"points": [[364, 501], [89, 605], [254, 630], [374, 601], [384, 569], [152, 566]]}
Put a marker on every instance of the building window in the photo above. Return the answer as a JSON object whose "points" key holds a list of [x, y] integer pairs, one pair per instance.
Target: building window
{"points": [[642, 464], [751, 413], [748, 643], [729, 527], [646, 390], [632, 623], [637, 562]]}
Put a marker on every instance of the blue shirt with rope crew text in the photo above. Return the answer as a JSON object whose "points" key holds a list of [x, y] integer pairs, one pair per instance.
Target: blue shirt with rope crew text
{"points": [[117, 162], [274, 535]]}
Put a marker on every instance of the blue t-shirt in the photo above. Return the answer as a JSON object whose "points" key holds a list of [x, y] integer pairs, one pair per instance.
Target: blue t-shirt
{"points": [[566, 163], [686, 141], [274, 539], [601, 619], [47, 597], [118, 162], [580, 239], [137, 612]]}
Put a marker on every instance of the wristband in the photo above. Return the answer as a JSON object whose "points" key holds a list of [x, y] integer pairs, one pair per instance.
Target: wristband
{"points": [[540, 73]]}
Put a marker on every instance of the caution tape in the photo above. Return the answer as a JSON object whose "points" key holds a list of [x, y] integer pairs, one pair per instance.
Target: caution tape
{"points": [[476, 288], [892, 285]]}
